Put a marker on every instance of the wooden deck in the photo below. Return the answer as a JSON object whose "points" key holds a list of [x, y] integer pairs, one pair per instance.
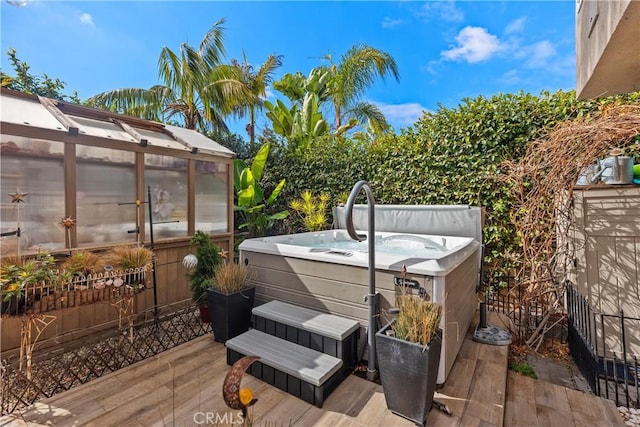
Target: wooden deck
{"points": [[182, 386], [545, 404]]}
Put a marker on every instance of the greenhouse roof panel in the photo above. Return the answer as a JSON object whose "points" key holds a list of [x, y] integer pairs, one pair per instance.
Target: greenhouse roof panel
{"points": [[101, 129], [44, 113], [195, 139], [160, 139], [27, 111]]}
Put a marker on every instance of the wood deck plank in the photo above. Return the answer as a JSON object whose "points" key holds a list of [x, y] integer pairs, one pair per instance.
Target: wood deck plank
{"points": [[487, 392], [520, 406], [609, 413], [173, 386], [552, 417], [551, 396]]}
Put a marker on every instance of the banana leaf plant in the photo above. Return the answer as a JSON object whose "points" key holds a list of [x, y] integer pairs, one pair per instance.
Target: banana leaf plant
{"points": [[251, 202]]}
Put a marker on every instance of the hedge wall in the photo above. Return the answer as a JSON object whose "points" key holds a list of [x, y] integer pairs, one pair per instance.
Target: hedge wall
{"points": [[447, 157]]}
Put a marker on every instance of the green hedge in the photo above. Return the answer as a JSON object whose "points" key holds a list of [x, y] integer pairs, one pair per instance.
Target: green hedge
{"points": [[447, 157]]}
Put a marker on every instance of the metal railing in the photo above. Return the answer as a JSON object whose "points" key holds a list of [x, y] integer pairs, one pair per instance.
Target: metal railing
{"points": [[600, 345], [502, 293], [95, 355]]}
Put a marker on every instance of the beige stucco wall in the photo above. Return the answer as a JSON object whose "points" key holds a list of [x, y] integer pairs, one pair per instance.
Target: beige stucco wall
{"points": [[607, 47]]}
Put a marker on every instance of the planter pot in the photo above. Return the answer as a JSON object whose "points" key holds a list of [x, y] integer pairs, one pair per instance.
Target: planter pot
{"points": [[204, 314], [408, 372], [230, 313]]}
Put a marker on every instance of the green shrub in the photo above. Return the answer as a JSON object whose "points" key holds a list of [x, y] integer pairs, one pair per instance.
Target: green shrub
{"points": [[450, 156]]}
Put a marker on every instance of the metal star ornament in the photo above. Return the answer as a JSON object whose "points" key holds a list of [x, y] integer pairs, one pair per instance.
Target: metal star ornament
{"points": [[18, 197], [68, 223]]}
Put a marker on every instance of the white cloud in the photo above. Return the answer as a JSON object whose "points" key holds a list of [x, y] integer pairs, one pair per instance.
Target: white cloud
{"points": [[511, 77], [86, 19], [535, 55], [539, 53], [442, 10], [515, 26], [269, 93], [475, 44], [401, 114], [391, 23]]}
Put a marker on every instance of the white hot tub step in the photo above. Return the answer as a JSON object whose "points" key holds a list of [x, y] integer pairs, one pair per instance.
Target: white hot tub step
{"points": [[327, 325], [303, 372]]}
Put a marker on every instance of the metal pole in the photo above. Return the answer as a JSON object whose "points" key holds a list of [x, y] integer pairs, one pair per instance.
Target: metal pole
{"points": [[483, 315], [372, 371], [153, 261]]}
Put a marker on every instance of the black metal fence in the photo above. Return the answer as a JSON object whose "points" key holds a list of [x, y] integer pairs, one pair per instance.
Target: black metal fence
{"points": [[600, 345], [502, 294], [55, 371]]}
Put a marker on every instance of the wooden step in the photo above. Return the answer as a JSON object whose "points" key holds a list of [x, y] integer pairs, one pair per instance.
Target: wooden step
{"points": [[326, 333], [300, 371]]}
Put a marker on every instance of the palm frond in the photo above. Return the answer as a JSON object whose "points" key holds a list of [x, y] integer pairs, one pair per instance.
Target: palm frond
{"points": [[369, 114], [212, 46]]}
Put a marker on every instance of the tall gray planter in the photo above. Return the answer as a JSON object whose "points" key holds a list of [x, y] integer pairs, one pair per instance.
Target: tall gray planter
{"points": [[408, 372], [230, 313]]}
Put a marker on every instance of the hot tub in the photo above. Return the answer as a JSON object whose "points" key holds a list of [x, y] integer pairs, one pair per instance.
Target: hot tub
{"points": [[327, 271]]}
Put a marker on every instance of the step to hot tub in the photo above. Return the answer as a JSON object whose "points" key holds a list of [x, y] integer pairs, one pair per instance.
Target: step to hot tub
{"points": [[326, 333], [297, 370], [304, 352]]}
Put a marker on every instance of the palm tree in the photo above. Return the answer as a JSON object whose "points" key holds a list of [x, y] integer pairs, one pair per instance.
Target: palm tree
{"points": [[255, 83], [357, 71], [197, 90]]}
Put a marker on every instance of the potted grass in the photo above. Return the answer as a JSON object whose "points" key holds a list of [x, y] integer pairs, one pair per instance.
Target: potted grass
{"points": [[83, 263], [230, 300], [408, 350], [132, 261]]}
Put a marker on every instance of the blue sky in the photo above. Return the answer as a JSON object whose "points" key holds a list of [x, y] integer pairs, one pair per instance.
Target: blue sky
{"points": [[445, 51]]}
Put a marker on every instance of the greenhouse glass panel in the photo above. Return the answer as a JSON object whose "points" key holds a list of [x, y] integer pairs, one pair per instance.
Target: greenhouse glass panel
{"points": [[34, 167], [167, 177], [211, 196], [106, 195]]}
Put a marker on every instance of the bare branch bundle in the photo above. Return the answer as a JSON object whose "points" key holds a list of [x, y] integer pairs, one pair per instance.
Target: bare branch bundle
{"points": [[542, 184]]}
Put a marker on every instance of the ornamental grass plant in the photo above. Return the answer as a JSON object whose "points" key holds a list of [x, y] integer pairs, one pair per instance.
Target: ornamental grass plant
{"points": [[230, 277], [418, 319]]}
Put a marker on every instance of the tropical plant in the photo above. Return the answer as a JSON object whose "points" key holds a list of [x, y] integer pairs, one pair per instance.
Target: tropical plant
{"points": [[251, 202], [196, 89], [348, 79], [304, 121], [312, 210], [17, 274], [296, 86], [299, 124], [230, 277], [209, 256], [26, 82], [255, 83]]}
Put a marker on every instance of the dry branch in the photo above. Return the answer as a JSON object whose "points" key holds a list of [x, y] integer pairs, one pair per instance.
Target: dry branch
{"points": [[542, 183]]}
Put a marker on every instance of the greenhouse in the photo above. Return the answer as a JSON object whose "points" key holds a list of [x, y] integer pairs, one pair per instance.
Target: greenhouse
{"points": [[79, 179], [92, 166]]}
